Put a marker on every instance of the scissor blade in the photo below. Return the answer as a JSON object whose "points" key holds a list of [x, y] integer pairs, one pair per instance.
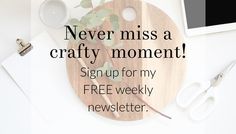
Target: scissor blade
{"points": [[229, 67], [218, 78]]}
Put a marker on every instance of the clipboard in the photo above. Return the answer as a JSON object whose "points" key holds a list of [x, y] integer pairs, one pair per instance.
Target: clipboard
{"points": [[17, 66], [42, 79]]}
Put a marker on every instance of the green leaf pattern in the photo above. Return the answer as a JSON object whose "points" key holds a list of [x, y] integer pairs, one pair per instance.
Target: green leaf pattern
{"points": [[114, 19], [85, 4], [94, 19]]}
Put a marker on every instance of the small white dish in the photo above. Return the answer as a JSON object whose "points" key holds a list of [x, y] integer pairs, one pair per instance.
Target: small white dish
{"points": [[54, 13]]}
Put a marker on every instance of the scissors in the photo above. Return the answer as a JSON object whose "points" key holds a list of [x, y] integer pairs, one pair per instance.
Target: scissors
{"points": [[201, 96]]}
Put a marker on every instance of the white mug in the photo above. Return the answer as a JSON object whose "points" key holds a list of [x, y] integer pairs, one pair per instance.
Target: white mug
{"points": [[54, 13]]}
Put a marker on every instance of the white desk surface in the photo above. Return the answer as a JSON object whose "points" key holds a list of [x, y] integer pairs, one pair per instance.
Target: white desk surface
{"points": [[14, 107], [207, 55]]}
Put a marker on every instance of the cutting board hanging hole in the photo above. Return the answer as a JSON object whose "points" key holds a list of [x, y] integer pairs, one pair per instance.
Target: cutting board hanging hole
{"points": [[129, 14]]}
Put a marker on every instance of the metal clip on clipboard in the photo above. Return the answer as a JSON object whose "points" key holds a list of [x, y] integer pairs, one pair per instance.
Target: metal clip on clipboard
{"points": [[24, 48]]}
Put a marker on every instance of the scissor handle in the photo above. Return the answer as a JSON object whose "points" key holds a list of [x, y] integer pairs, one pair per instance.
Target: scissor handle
{"points": [[190, 93], [204, 107]]}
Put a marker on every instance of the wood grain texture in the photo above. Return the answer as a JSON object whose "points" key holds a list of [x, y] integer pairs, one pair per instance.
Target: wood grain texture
{"points": [[170, 72]]}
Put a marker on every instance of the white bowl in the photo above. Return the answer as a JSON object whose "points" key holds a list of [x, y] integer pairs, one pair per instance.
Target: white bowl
{"points": [[54, 13]]}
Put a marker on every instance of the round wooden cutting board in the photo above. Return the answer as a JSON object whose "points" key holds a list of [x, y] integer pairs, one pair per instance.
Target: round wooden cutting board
{"points": [[170, 71]]}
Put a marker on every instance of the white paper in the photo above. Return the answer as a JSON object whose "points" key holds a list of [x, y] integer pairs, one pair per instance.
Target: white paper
{"points": [[18, 68], [44, 80]]}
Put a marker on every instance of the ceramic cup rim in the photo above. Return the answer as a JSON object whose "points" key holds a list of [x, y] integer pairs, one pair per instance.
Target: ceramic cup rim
{"points": [[60, 24]]}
